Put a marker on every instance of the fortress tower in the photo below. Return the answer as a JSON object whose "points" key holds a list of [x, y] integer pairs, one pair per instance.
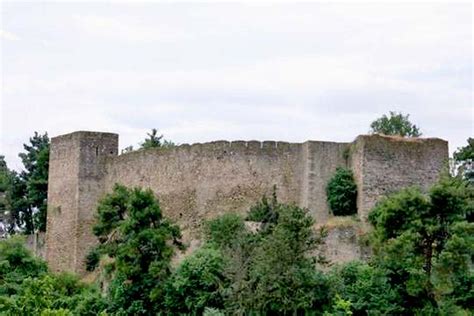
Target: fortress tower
{"points": [[74, 186], [200, 181]]}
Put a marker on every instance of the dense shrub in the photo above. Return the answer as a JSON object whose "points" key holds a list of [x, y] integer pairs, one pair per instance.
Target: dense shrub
{"points": [[224, 230], [16, 264], [341, 192], [366, 287], [197, 283], [27, 288]]}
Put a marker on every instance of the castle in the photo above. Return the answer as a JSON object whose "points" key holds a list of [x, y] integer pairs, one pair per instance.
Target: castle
{"points": [[201, 181]]}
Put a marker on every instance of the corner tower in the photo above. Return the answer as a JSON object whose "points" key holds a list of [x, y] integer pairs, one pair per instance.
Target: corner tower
{"points": [[74, 186]]}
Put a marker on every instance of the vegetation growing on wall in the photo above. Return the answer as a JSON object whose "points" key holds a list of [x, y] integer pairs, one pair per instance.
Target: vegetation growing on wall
{"points": [[341, 192]]}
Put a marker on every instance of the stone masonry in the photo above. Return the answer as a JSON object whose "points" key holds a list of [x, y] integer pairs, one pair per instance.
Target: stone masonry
{"points": [[200, 181]]}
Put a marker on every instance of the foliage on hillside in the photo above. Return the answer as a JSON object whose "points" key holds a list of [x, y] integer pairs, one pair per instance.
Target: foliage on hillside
{"points": [[27, 288], [423, 246]]}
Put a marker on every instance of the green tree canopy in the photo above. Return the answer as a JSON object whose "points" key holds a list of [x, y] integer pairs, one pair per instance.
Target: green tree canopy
{"points": [[23, 196], [197, 283], [395, 124], [133, 233], [464, 158], [155, 141], [426, 244], [366, 287], [272, 270]]}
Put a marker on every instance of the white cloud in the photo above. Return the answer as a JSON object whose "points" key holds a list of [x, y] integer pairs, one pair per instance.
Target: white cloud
{"points": [[8, 36], [206, 71], [125, 28]]}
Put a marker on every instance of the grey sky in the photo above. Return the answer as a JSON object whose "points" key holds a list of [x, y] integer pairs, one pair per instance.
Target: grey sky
{"points": [[202, 72]]}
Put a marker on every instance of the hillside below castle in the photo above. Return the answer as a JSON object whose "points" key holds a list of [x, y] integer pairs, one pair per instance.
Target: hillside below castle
{"points": [[200, 181]]}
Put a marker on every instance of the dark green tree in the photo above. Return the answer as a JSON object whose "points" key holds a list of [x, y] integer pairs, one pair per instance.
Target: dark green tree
{"points": [[139, 241], [27, 192], [16, 215], [5, 184], [197, 283], [283, 275], [155, 141], [366, 287], [341, 193], [464, 159], [395, 124], [426, 244], [272, 270]]}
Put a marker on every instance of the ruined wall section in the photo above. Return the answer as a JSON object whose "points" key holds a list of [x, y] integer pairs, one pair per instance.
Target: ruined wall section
{"points": [[320, 162], [74, 187], [200, 181], [386, 164]]}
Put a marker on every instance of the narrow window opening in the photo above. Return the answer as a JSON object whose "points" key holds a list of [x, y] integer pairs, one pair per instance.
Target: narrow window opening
{"points": [[97, 151]]}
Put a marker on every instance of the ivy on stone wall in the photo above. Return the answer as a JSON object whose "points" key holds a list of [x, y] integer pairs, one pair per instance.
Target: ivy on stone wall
{"points": [[341, 192]]}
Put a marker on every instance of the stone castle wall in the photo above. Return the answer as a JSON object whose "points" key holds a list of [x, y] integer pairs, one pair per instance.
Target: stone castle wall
{"points": [[201, 181]]}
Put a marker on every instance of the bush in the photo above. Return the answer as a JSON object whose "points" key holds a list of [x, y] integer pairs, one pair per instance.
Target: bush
{"points": [[366, 287], [224, 230], [16, 264], [341, 193], [27, 288], [197, 282]]}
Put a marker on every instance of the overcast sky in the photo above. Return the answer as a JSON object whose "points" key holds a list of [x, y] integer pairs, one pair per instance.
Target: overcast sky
{"points": [[198, 73]]}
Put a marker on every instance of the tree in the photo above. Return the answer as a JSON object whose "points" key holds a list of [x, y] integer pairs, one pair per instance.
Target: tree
{"points": [[197, 283], [15, 213], [395, 124], [139, 241], [271, 270], [366, 287], [464, 159], [36, 162], [341, 193], [283, 276], [5, 184], [426, 244], [154, 141]]}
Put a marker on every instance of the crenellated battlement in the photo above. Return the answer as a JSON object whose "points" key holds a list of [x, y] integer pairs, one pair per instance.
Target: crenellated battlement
{"points": [[200, 181]]}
